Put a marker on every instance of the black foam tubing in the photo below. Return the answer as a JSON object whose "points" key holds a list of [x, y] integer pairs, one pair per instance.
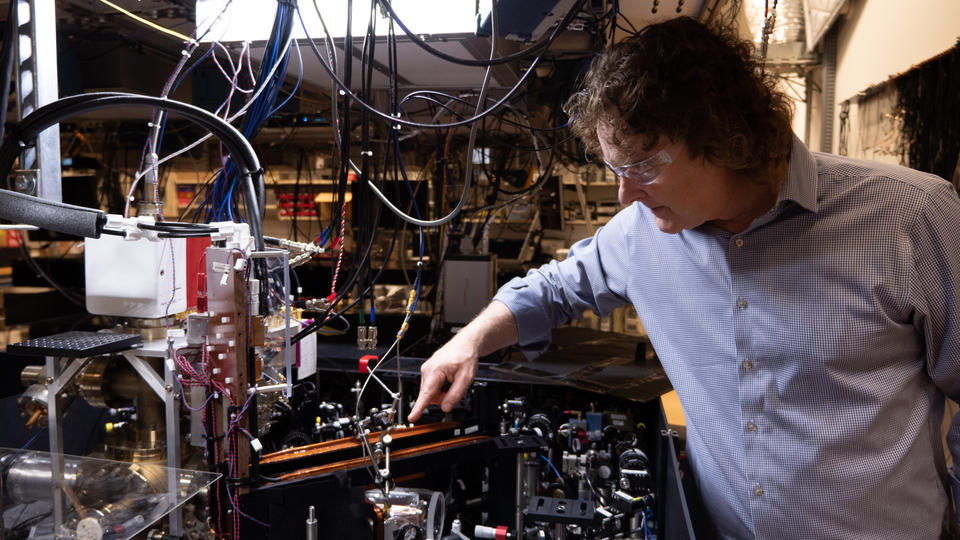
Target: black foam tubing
{"points": [[51, 215]]}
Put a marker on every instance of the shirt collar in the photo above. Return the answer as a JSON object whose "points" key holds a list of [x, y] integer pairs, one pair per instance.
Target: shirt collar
{"points": [[800, 184]]}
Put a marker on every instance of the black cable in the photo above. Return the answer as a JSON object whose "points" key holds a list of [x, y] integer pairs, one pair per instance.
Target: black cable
{"points": [[53, 113], [345, 126], [43, 117], [421, 94], [183, 235], [543, 44], [345, 88], [495, 140], [176, 227], [361, 203], [318, 321]]}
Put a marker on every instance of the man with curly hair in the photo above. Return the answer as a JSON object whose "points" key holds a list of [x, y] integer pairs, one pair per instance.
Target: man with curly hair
{"points": [[804, 305]]}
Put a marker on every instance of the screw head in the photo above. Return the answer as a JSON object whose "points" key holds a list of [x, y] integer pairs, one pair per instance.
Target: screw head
{"points": [[25, 182]]}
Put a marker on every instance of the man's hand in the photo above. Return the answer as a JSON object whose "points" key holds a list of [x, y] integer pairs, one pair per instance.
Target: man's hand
{"points": [[454, 363]]}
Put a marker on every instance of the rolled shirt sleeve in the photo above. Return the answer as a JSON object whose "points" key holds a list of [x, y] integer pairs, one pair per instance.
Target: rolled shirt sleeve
{"points": [[593, 276]]}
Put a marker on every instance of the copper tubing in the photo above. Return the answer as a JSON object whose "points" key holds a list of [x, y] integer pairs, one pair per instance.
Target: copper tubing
{"points": [[360, 462], [317, 449]]}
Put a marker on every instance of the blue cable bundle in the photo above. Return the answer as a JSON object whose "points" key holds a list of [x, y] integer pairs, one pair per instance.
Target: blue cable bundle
{"points": [[220, 203]]}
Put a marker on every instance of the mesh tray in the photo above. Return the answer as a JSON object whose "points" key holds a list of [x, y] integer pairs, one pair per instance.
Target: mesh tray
{"points": [[75, 344]]}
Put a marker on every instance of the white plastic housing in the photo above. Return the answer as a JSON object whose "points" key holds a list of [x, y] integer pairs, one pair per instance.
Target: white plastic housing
{"points": [[139, 278]]}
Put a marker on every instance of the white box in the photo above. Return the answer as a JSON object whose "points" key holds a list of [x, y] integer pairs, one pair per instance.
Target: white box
{"points": [[136, 278]]}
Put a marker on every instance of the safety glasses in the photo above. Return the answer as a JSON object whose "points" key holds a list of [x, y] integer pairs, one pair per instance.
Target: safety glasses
{"points": [[643, 172]]}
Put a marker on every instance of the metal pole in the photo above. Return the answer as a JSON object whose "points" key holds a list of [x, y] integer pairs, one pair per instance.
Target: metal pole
{"points": [[311, 524], [172, 406], [37, 86], [56, 439], [519, 516]]}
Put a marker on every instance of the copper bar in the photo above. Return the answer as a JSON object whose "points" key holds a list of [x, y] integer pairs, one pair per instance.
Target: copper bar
{"points": [[347, 443], [359, 462]]}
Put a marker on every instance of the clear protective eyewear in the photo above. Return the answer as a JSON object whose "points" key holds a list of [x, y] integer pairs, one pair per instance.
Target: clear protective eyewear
{"points": [[645, 171]]}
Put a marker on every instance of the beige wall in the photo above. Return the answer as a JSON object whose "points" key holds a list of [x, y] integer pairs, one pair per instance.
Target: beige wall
{"points": [[878, 39]]}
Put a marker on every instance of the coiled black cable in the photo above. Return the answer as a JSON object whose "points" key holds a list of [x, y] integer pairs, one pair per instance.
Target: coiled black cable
{"points": [[25, 133]]}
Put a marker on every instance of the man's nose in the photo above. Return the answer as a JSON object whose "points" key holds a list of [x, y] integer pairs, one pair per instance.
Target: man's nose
{"points": [[631, 191]]}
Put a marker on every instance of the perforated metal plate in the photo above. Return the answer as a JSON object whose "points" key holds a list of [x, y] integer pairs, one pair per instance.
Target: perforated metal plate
{"points": [[75, 344]]}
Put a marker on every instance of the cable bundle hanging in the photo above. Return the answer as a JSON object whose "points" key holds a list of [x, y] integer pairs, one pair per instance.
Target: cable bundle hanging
{"points": [[221, 201]]}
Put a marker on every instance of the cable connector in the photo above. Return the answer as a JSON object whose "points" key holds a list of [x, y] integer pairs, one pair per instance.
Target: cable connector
{"points": [[256, 446], [235, 235], [316, 304], [408, 311], [304, 252], [366, 338], [410, 299], [130, 227]]}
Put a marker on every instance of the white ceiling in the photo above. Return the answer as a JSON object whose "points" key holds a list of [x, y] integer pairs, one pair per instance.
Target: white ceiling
{"points": [[418, 68]]}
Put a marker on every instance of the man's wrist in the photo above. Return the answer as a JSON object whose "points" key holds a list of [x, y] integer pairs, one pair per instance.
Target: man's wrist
{"points": [[468, 339]]}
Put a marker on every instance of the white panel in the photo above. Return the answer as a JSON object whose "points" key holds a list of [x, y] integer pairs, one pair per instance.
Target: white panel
{"points": [[251, 20], [417, 66]]}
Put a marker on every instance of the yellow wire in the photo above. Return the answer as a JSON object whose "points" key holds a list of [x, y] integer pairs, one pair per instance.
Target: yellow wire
{"points": [[153, 25]]}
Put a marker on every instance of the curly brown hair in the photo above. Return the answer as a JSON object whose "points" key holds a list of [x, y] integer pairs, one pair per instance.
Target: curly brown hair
{"points": [[694, 84]]}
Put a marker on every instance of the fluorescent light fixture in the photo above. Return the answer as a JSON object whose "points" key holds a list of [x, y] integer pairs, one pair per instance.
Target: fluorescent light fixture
{"points": [[251, 20]]}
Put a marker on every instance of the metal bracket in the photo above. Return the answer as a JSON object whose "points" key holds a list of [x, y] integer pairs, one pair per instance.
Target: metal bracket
{"points": [[147, 374], [68, 373]]}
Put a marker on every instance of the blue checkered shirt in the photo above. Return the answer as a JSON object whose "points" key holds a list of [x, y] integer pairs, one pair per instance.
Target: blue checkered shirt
{"points": [[811, 353]]}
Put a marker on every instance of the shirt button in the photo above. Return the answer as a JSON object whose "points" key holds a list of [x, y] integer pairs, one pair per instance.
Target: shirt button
{"points": [[742, 303], [751, 427], [757, 490], [738, 242], [747, 365]]}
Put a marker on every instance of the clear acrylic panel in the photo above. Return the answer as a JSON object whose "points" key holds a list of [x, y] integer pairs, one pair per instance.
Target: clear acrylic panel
{"points": [[101, 499]]}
